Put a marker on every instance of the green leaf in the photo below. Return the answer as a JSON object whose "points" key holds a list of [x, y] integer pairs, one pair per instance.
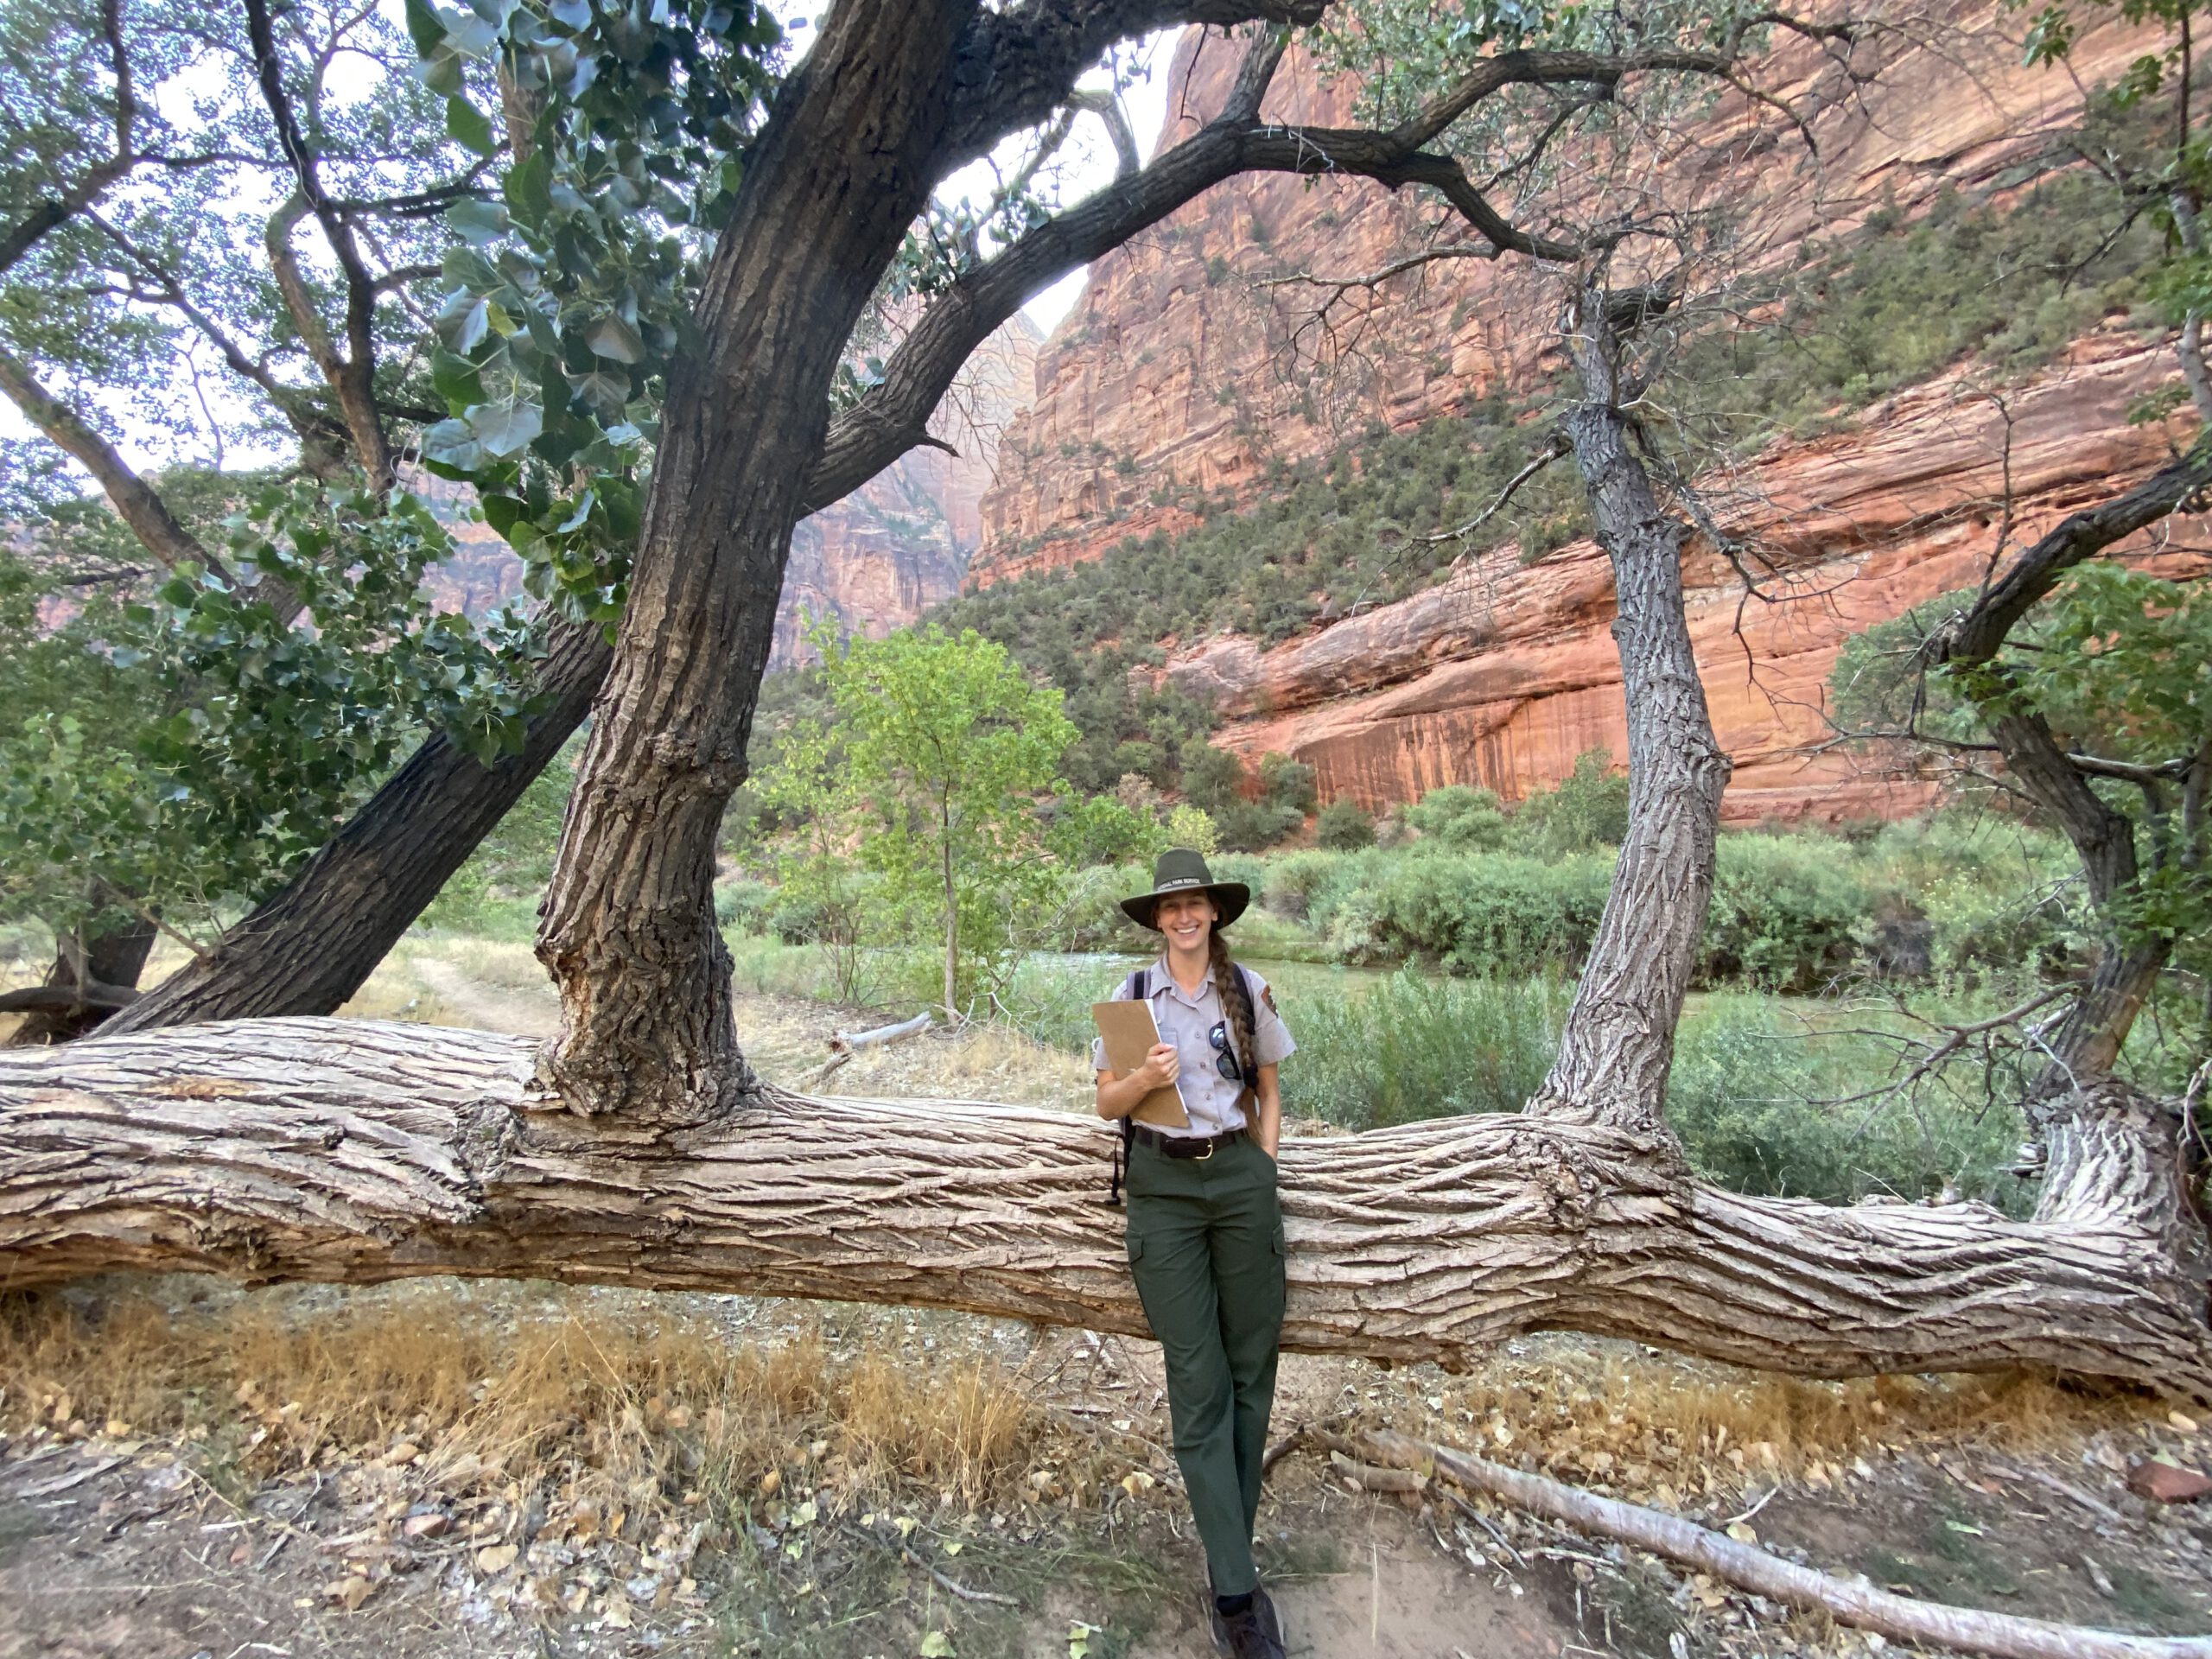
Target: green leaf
{"points": [[525, 189], [937, 1645], [452, 444], [477, 222], [469, 127], [606, 393], [462, 321], [423, 28], [456, 379], [502, 429], [612, 336]]}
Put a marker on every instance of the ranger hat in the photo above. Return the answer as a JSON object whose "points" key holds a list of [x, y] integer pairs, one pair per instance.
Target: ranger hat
{"points": [[1181, 870]]}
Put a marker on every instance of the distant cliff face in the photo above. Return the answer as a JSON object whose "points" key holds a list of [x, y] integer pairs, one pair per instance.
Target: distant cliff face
{"points": [[1178, 371], [867, 564]]}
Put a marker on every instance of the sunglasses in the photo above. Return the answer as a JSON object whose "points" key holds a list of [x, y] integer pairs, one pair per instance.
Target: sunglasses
{"points": [[1225, 1057]]}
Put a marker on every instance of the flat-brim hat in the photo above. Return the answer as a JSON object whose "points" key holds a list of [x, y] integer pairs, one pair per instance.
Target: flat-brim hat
{"points": [[1180, 870]]}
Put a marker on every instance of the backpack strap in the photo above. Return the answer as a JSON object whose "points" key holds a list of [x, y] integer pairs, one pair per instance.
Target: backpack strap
{"points": [[1138, 986]]}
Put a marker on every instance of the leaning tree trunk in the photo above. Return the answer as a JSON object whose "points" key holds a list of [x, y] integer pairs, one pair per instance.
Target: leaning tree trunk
{"points": [[844, 165], [308, 947], [1618, 1042], [355, 1152]]}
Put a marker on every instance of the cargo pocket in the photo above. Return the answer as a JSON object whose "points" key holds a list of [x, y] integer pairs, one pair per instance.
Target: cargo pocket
{"points": [[1281, 1248], [1137, 1248]]}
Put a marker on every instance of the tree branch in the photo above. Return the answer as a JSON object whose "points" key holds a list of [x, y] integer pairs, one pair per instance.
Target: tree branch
{"points": [[893, 416], [1015, 67], [54, 212], [135, 500], [352, 376]]}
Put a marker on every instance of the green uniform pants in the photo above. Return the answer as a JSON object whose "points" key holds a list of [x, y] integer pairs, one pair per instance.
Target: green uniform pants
{"points": [[1206, 1250]]}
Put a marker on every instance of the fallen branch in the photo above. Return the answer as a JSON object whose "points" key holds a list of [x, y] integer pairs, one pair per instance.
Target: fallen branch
{"points": [[1852, 1602], [66, 999], [851, 1042], [953, 1586]]}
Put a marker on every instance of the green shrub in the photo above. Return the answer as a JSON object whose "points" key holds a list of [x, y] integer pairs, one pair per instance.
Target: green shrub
{"points": [[1414, 1046], [1787, 914], [1463, 819], [1585, 810], [1342, 827]]}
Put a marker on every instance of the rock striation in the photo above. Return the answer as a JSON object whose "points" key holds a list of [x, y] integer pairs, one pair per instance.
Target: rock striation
{"points": [[1183, 369]]}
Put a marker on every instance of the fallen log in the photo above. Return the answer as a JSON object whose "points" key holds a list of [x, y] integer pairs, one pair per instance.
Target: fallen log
{"points": [[1848, 1601], [356, 1151], [851, 1042]]}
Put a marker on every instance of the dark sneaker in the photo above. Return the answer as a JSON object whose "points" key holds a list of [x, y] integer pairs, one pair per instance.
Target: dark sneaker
{"points": [[1256, 1633]]}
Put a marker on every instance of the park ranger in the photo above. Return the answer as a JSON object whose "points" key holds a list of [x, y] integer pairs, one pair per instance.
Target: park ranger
{"points": [[1204, 1229]]}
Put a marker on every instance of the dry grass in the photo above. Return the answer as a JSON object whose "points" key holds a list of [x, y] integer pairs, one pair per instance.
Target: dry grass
{"points": [[1674, 1429], [603, 1402]]}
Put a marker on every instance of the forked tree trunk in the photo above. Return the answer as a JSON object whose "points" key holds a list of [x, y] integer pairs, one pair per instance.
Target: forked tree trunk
{"points": [[309, 946], [1618, 1041], [356, 1152], [112, 960], [845, 162]]}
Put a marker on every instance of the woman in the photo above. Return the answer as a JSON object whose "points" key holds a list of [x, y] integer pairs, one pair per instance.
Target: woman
{"points": [[1204, 1229]]}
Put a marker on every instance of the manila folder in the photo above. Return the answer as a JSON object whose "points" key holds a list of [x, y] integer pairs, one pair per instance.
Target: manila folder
{"points": [[1130, 1033]]}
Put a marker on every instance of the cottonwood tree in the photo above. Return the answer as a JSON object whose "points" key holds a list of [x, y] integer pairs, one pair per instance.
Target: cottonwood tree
{"points": [[934, 777], [640, 1149]]}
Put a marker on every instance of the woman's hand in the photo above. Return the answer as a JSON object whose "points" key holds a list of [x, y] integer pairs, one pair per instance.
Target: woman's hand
{"points": [[1118, 1097], [1162, 1065]]}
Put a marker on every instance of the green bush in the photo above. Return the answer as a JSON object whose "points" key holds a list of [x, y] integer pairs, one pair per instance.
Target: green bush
{"points": [[1463, 819], [1585, 810], [1787, 914], [1414, 1046], [1342, 827], [745, 906]]}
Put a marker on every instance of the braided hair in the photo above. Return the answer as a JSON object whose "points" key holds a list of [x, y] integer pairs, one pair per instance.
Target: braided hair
{"points": [[1237, 1002]]}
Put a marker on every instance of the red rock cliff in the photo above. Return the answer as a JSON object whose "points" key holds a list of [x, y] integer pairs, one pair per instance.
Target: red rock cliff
{"points": [[1177, 370]]}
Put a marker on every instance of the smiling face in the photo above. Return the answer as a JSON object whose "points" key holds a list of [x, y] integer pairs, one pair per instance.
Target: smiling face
{"points": [[1187, 919]]}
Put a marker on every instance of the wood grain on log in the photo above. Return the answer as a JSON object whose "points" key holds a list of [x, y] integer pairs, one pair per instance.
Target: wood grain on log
{"points": [[354, 1152]]}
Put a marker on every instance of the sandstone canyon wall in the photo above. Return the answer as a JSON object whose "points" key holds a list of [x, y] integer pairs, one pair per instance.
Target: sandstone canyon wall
{"points": [[1182, 368]]}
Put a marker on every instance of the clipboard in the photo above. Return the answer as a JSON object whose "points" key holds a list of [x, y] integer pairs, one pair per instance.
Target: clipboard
{"points": [[1129, 1033]]}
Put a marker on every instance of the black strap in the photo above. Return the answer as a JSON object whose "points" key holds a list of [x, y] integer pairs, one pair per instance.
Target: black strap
{"points": [[1139, 986]]}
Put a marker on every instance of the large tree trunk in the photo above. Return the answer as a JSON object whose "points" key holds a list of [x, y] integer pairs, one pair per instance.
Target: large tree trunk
{"points": [[846, 162], [1618, 1042], [349, 1152], [308, 948]]}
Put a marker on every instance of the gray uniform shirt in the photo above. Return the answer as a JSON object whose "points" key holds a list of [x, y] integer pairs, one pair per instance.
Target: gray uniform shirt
{"points": [[1189, 1022]]}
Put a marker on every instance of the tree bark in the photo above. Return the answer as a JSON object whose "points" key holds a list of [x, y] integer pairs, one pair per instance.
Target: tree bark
{"points": [[355, 1152], [1618, 1041], [306, 949], [844, 165]]}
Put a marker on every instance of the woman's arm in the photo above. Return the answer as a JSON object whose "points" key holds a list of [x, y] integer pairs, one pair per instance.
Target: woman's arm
{"points": [[1118, 1096], [1266, 1127]]}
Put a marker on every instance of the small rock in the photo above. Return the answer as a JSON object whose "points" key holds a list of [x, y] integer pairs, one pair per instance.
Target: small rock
{"points": [[495, 1559], [425, 1526], [2164, 1482], [349, 1591], [402, 1454]]}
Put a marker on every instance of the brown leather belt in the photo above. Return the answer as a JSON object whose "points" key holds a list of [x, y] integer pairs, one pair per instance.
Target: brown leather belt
{"points": [[1186, 1146]]}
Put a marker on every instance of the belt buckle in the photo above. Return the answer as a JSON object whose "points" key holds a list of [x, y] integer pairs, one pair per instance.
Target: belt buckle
{"points": [[1208, 1152]]}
